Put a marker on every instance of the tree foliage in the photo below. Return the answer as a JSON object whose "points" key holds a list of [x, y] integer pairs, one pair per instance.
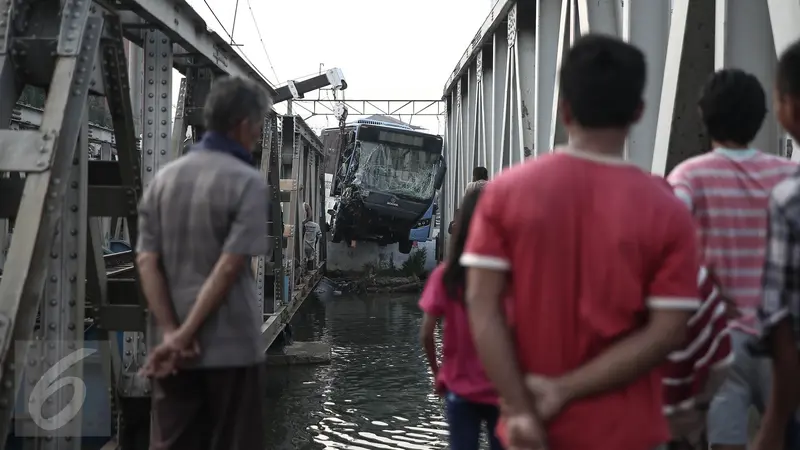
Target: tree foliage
{"points": [[98, 110]]}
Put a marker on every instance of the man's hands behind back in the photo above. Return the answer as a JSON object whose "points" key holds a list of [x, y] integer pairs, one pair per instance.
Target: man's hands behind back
{"points": [[165, 359]]}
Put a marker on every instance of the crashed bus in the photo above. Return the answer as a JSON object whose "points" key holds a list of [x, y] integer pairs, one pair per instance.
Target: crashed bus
{"points": [[385, 177]]}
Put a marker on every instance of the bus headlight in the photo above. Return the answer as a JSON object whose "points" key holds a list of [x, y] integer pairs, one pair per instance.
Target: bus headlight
{"points": [[423, 223]]}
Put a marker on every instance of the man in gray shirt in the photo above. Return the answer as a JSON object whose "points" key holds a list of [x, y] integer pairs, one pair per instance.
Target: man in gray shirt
{"points": [[200, 221]]}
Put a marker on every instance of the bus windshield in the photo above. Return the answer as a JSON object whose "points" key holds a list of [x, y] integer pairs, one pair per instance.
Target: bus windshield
{"points": [[397, 169]]}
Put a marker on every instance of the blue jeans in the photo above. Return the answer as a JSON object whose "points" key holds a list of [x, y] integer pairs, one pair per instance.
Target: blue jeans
{"points": [[793, 435], [465, 418]]}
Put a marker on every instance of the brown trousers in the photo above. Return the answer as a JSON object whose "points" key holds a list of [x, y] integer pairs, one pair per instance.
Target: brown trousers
{"points": [[209, 409]]}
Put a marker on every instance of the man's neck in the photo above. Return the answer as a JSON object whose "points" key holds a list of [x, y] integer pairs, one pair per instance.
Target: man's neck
{"points": [[605, 142], [729, 145]]}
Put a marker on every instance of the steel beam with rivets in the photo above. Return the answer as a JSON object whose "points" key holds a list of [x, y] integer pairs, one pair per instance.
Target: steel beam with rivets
{"points": [[503, 96]]}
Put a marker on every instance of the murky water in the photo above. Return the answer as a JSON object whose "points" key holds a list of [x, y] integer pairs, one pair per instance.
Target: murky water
{"points": [[377, 392]]}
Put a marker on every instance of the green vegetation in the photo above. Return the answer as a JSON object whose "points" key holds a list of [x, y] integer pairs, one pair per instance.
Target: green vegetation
{"points": [[98, 110], [414, 266]]}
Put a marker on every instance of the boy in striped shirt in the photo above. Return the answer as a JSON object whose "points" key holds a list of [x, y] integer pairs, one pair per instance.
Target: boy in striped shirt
{"points": [[727, 191], [692, 375]]}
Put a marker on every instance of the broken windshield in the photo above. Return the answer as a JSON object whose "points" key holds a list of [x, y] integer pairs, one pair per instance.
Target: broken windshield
{"points": [[402, 171]]}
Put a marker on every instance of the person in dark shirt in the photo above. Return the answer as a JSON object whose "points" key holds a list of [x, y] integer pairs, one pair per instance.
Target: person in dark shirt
{"points": [[779, 314]]}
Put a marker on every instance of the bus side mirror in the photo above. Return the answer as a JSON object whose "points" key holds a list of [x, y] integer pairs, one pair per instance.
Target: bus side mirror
{"points": [[439, 178]]}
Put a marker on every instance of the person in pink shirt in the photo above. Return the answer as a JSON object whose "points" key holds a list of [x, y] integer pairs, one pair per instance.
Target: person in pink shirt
{"points": [[469, 395]]}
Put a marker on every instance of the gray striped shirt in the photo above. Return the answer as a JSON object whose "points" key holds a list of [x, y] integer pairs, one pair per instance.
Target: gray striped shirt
{"points": [[197, 207]]}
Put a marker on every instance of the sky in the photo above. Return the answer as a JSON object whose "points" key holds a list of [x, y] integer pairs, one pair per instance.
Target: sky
{"points": [[387, 50]]}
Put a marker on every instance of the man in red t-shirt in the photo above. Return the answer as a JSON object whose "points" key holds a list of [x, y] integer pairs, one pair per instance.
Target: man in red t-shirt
{"points": [[601, 263]]}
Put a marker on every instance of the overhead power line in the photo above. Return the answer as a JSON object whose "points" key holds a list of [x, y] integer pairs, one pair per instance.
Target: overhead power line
{"points": [[263, 46], [234, 44]]}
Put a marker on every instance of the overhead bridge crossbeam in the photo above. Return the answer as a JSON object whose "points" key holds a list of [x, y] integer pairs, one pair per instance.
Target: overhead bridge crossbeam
{"points": [[503, 95], [69, 192], [371, 107]]}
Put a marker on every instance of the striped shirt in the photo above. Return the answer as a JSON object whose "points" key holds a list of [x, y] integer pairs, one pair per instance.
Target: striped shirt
{"points": [[707, 351], [728, 192]]}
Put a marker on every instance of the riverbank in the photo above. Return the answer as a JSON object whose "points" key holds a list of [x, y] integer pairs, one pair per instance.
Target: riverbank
{"points": [[372, 283], [384, 276]]}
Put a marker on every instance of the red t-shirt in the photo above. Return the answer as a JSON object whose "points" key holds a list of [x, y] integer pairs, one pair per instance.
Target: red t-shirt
{"points": [[589, 244], [461, 371]]}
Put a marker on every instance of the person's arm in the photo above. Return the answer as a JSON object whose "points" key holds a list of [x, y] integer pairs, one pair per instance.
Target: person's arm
{"points": [[247, 238], [487, 257], [712, 321], [681, 182], [148, 262], [431, 302], [493, 340], [672, 297], [780, 298], [154, 287], [426, 332]]}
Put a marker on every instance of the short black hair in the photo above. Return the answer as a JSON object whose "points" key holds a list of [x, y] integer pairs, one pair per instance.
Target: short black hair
{"points": [[231, 101], [602, 80], [733, 106], [788, 79], [480, 173]]}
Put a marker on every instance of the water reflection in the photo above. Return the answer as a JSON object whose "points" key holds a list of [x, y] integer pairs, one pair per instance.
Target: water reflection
{"points": [[376, 393]]}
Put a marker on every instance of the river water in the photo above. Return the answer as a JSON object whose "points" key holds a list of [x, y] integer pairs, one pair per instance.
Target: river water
{"points": [[376, 393]]}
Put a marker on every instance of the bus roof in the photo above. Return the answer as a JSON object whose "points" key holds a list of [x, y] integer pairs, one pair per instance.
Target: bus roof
{"points": [[377, 123]]}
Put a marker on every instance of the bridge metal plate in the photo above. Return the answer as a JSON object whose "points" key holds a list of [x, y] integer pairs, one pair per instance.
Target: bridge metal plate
{"points": [[25, 151], [74, 14]]}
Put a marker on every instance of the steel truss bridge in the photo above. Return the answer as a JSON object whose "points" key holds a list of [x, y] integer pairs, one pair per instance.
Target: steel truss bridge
{"points": [[69, 189], [502, 96], [57, 203]]}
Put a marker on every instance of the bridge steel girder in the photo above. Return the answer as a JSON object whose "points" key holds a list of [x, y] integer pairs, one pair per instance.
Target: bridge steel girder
{"points": [[66, 181], [393, 108], [502, 96]]}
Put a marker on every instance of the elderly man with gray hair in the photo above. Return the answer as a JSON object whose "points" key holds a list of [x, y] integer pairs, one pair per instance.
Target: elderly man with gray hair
{"points": [[200, 221]]}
